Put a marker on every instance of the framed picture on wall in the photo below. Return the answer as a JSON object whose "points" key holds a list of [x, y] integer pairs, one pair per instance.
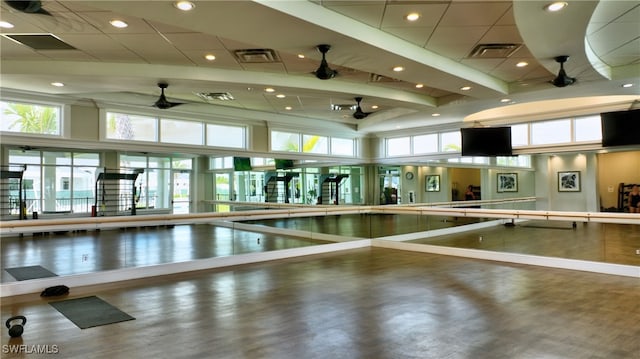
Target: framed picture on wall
{"points": [[569, 181], [432, 183], [507, 182]]}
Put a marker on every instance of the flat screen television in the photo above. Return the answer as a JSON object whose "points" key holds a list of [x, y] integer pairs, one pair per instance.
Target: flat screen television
{"points": [[486, 141], [283, 164], [242, 164], [620, 128]]}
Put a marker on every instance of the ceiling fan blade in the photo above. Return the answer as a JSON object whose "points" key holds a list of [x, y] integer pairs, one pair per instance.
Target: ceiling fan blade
{"points": [[29, 7]]}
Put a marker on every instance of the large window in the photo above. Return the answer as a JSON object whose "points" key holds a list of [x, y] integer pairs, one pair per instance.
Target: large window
{"points": [[57, 182], [450, 141], [30, 118], [399, 146], [425, 143], [550, 132], [226, 136], [184, 132], [308, 143], [122, 126], [587, 129]]}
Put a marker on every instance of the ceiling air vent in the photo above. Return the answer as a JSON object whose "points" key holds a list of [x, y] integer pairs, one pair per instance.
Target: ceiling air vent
{"points": [[212, 96], [493, 51], [256, 55], [379, 78], [40, 41]]}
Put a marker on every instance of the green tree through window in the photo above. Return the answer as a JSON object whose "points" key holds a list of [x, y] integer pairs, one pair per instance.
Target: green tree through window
{"points": [[28, 118]]}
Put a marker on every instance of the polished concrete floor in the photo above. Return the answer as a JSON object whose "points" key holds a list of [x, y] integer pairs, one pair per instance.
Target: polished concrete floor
{"points": [[368, 303]]}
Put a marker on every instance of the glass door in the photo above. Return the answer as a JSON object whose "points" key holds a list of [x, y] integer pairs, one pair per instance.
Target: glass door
{"points": [[181, 200]]}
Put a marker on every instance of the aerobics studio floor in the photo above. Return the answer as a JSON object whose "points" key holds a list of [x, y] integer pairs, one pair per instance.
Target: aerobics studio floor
{"points": [[84, 252]]}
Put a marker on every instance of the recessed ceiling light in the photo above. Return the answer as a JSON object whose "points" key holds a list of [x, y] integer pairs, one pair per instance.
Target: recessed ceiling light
{"points": [[505, 100], [522, 64], [280, 95], [184, 5], [375, 107], [210, 57], [6, 25], [556, 6], [435, 114], [627, 85], [398, 68], [465, 88], [412, 16], [118, 23], [301, 56], [269, 89], [288, 108], [57, 84], [419, 86]]}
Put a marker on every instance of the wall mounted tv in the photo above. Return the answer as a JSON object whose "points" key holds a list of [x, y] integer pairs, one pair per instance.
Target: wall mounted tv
{"points": [[283, 164], [620, 128], [486, 141], [242, 164]]}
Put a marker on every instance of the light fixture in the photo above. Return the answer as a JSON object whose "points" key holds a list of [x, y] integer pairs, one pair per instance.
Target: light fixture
{"points": [[435, 114], [505, 100], [269, 89], [419, 86], [288, 108], [118, 23], [398, 69], [301, 56], [627, 85], [184, 5], [57, 84], [412, 16], [6, 25], [465, 88], [280, 95], [556, 6], [522, 64], [375, 107], [210, 57]]}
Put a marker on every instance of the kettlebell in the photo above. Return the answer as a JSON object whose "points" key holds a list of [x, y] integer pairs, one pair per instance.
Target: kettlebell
{"points": [[16, 330]]}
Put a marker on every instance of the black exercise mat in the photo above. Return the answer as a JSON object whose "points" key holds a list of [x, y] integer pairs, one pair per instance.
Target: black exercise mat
{"points": [[90, 312], [30, 272]]}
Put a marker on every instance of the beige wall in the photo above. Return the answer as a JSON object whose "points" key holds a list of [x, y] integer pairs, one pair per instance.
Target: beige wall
{"points": [[84, 123], [614, 168]]}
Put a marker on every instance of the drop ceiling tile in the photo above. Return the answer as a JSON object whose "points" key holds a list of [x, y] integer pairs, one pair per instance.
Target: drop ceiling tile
{"points": [[266, 67], [67, 55], [415, 35], [11, 50], [92, 42], [123, 55], [194, 41], [484, 65], [100, 19], [472, 14], [224, 59], [167, 29], [502, 35], [430, 14], [69, 23], [370, 14], [452, 51], [507, 19], [457, 35]]}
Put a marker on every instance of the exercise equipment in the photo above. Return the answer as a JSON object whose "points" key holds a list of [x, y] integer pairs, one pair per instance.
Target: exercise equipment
{"points": [[16, 330]]}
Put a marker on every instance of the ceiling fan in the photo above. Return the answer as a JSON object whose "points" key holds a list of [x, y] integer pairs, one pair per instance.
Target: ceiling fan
{"points": [[29, 7], [162, 102], [324, 72], [562, 79], [359, 114]]}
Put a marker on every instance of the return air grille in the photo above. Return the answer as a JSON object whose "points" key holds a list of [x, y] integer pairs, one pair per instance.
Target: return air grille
{"points": [[40, 41], [256, 56], [494, 51]]}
